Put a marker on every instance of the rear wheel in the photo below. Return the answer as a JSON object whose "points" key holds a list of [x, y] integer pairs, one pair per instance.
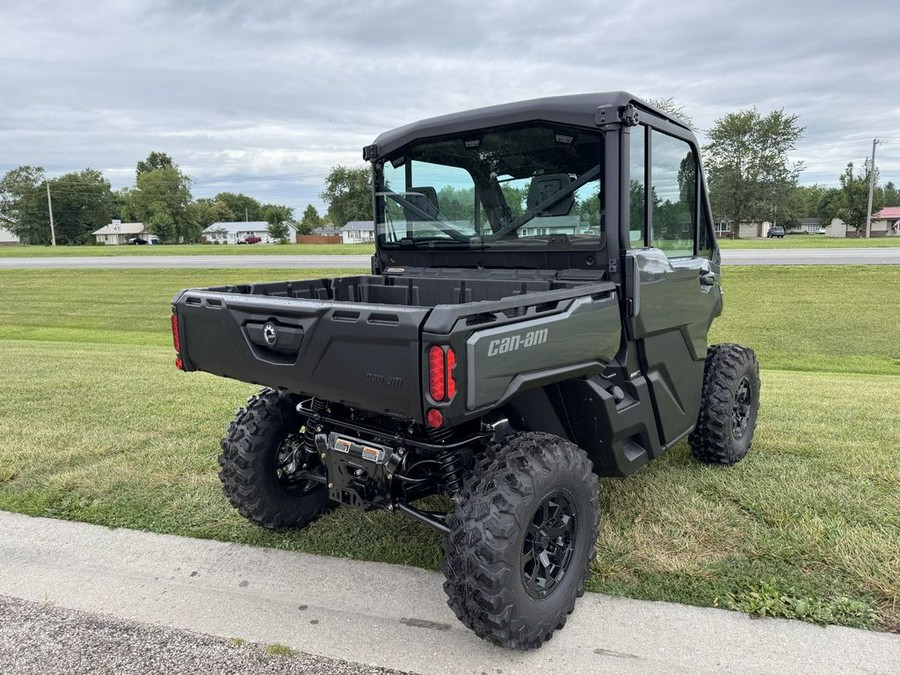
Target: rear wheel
{"points": [[521, 541], [730, 405], [268, 473]]}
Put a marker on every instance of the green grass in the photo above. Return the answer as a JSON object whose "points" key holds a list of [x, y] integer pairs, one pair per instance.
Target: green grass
{"points": [[98, 426], [811, 241], [185, 249]]}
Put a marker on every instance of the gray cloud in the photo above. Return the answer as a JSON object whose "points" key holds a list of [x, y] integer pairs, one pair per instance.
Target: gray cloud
{"points": [[264, 97]]}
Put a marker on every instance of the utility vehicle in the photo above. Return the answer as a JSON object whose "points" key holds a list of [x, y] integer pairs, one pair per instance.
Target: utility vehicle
{"points": [[536, 315]]}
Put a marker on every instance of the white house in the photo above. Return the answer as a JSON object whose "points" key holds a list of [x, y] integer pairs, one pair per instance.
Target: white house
{"points": [[358, 232], [7, 238], [887, 221], [237, 233], [118, 232]]}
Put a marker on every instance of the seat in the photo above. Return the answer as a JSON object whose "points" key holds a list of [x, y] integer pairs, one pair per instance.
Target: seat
{"points": [[424, 198], [544, 187]]}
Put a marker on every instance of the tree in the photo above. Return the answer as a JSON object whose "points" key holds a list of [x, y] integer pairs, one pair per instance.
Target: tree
{"points": [[850, 202], [23, 204], [888, 195], [160, 199], [348, 193], [747, 163], [155, 161], [83, 201], [277, 217], [310, 220], [206, 211], [669, 106], [242, 206]]}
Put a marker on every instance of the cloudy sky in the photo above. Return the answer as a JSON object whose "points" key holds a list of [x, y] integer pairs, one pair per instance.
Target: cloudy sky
{"points": [[264, 97]]}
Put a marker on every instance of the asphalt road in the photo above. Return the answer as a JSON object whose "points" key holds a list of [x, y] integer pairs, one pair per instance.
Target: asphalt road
{"points": [[386, 615], [39, 638], [867, 256]]}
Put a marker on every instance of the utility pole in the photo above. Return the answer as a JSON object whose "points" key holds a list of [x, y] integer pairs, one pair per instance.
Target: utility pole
{"points": [[871, 190], [50, 208], [246, 217]]}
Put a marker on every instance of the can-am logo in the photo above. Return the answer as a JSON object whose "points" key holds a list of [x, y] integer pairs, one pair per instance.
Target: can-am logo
{"points": [[516, 342]]}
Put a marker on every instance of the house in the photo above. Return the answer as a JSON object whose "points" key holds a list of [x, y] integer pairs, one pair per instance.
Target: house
{"points": [[886, 222], [118, 232], [7, 238], [358, 232], [236, 233]]}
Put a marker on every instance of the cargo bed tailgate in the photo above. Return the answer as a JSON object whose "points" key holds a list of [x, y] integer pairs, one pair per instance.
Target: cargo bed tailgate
{"points": [[363, 355]]}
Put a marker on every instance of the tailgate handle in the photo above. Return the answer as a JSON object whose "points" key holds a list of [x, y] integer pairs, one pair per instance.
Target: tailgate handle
{"points": [[274, 336]]}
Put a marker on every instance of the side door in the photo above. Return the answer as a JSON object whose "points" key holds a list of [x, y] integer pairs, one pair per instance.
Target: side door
{"points": [[671, 272]]}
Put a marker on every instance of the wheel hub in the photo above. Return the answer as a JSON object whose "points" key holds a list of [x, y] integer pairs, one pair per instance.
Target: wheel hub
{"points": [[549, 545], [740, 413], [292, 461]]}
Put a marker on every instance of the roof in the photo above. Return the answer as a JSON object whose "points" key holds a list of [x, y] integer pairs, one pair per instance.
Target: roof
{"points": [[888, 213], [326, 230], [808, 222], [362, 225], [124, 228], [240, 227], [575, 110]]}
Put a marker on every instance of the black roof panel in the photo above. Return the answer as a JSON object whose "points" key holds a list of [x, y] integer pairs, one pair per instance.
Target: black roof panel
{"points": [[574, 109]]}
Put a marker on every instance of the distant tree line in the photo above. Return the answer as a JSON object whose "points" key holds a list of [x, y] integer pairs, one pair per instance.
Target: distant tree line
{"points": [[84, 201], [749, 173]]}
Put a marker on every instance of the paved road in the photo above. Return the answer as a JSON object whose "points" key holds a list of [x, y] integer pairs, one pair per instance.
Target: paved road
{"points": [[389, 615], [217, 261], [870, 256]]}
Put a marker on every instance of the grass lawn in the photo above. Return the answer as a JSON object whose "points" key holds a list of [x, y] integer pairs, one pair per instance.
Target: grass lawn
{"points": [[810, 241], [186, 249], [98, 426]]}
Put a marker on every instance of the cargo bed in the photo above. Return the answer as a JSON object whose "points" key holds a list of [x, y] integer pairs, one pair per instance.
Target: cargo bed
{"points": [[360, 340]]}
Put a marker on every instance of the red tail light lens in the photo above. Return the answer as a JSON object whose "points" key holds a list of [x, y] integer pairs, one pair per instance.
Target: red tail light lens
{"points": [[451, 381], [434, 418], [441, 383], [437, 381], [176, 340]]}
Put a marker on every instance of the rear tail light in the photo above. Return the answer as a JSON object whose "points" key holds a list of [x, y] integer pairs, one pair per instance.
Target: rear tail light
{"points": [[434, 418], [441, 383], [176, 341]]}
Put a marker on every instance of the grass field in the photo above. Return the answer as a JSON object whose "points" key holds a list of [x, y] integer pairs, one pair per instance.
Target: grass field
{"points": [[811, 241], [185, 249], [98, 426]]}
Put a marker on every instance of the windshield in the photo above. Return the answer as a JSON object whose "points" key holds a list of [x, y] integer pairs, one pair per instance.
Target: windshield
{"points": [[535, 185]]}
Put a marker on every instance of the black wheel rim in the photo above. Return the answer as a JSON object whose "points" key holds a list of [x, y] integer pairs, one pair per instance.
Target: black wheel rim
{"points": [[549, 545], [743, 404], [293, 465]]}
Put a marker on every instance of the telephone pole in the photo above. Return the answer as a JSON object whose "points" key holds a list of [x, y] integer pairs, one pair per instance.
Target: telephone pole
{"points": [[50, 208], [871, 190]]}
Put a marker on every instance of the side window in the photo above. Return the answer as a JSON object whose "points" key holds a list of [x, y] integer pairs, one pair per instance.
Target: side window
{"points": [[637, 187], [673, 175]]}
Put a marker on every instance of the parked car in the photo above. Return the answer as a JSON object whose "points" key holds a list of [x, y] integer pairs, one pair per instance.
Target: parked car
{"points": [[776, 231], [137, 241], [821, 230], [251, 239]]}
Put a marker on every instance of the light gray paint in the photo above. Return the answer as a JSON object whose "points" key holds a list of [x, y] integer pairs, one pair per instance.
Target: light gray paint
{"points": [[586, 332]]}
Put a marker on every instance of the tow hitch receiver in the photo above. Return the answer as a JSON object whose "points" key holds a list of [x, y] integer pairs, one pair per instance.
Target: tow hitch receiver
{"points": [[359, 472]]}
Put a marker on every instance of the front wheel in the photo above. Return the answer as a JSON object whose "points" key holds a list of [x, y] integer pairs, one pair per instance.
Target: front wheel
{"points": [[729, 407], [521, 541], [268, 473]]}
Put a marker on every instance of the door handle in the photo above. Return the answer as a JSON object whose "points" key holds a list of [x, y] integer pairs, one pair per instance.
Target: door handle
{"points": [[707, 279]]}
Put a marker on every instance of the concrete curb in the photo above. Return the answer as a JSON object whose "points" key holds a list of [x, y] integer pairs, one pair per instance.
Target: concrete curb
{"points": [[390, 615]]}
